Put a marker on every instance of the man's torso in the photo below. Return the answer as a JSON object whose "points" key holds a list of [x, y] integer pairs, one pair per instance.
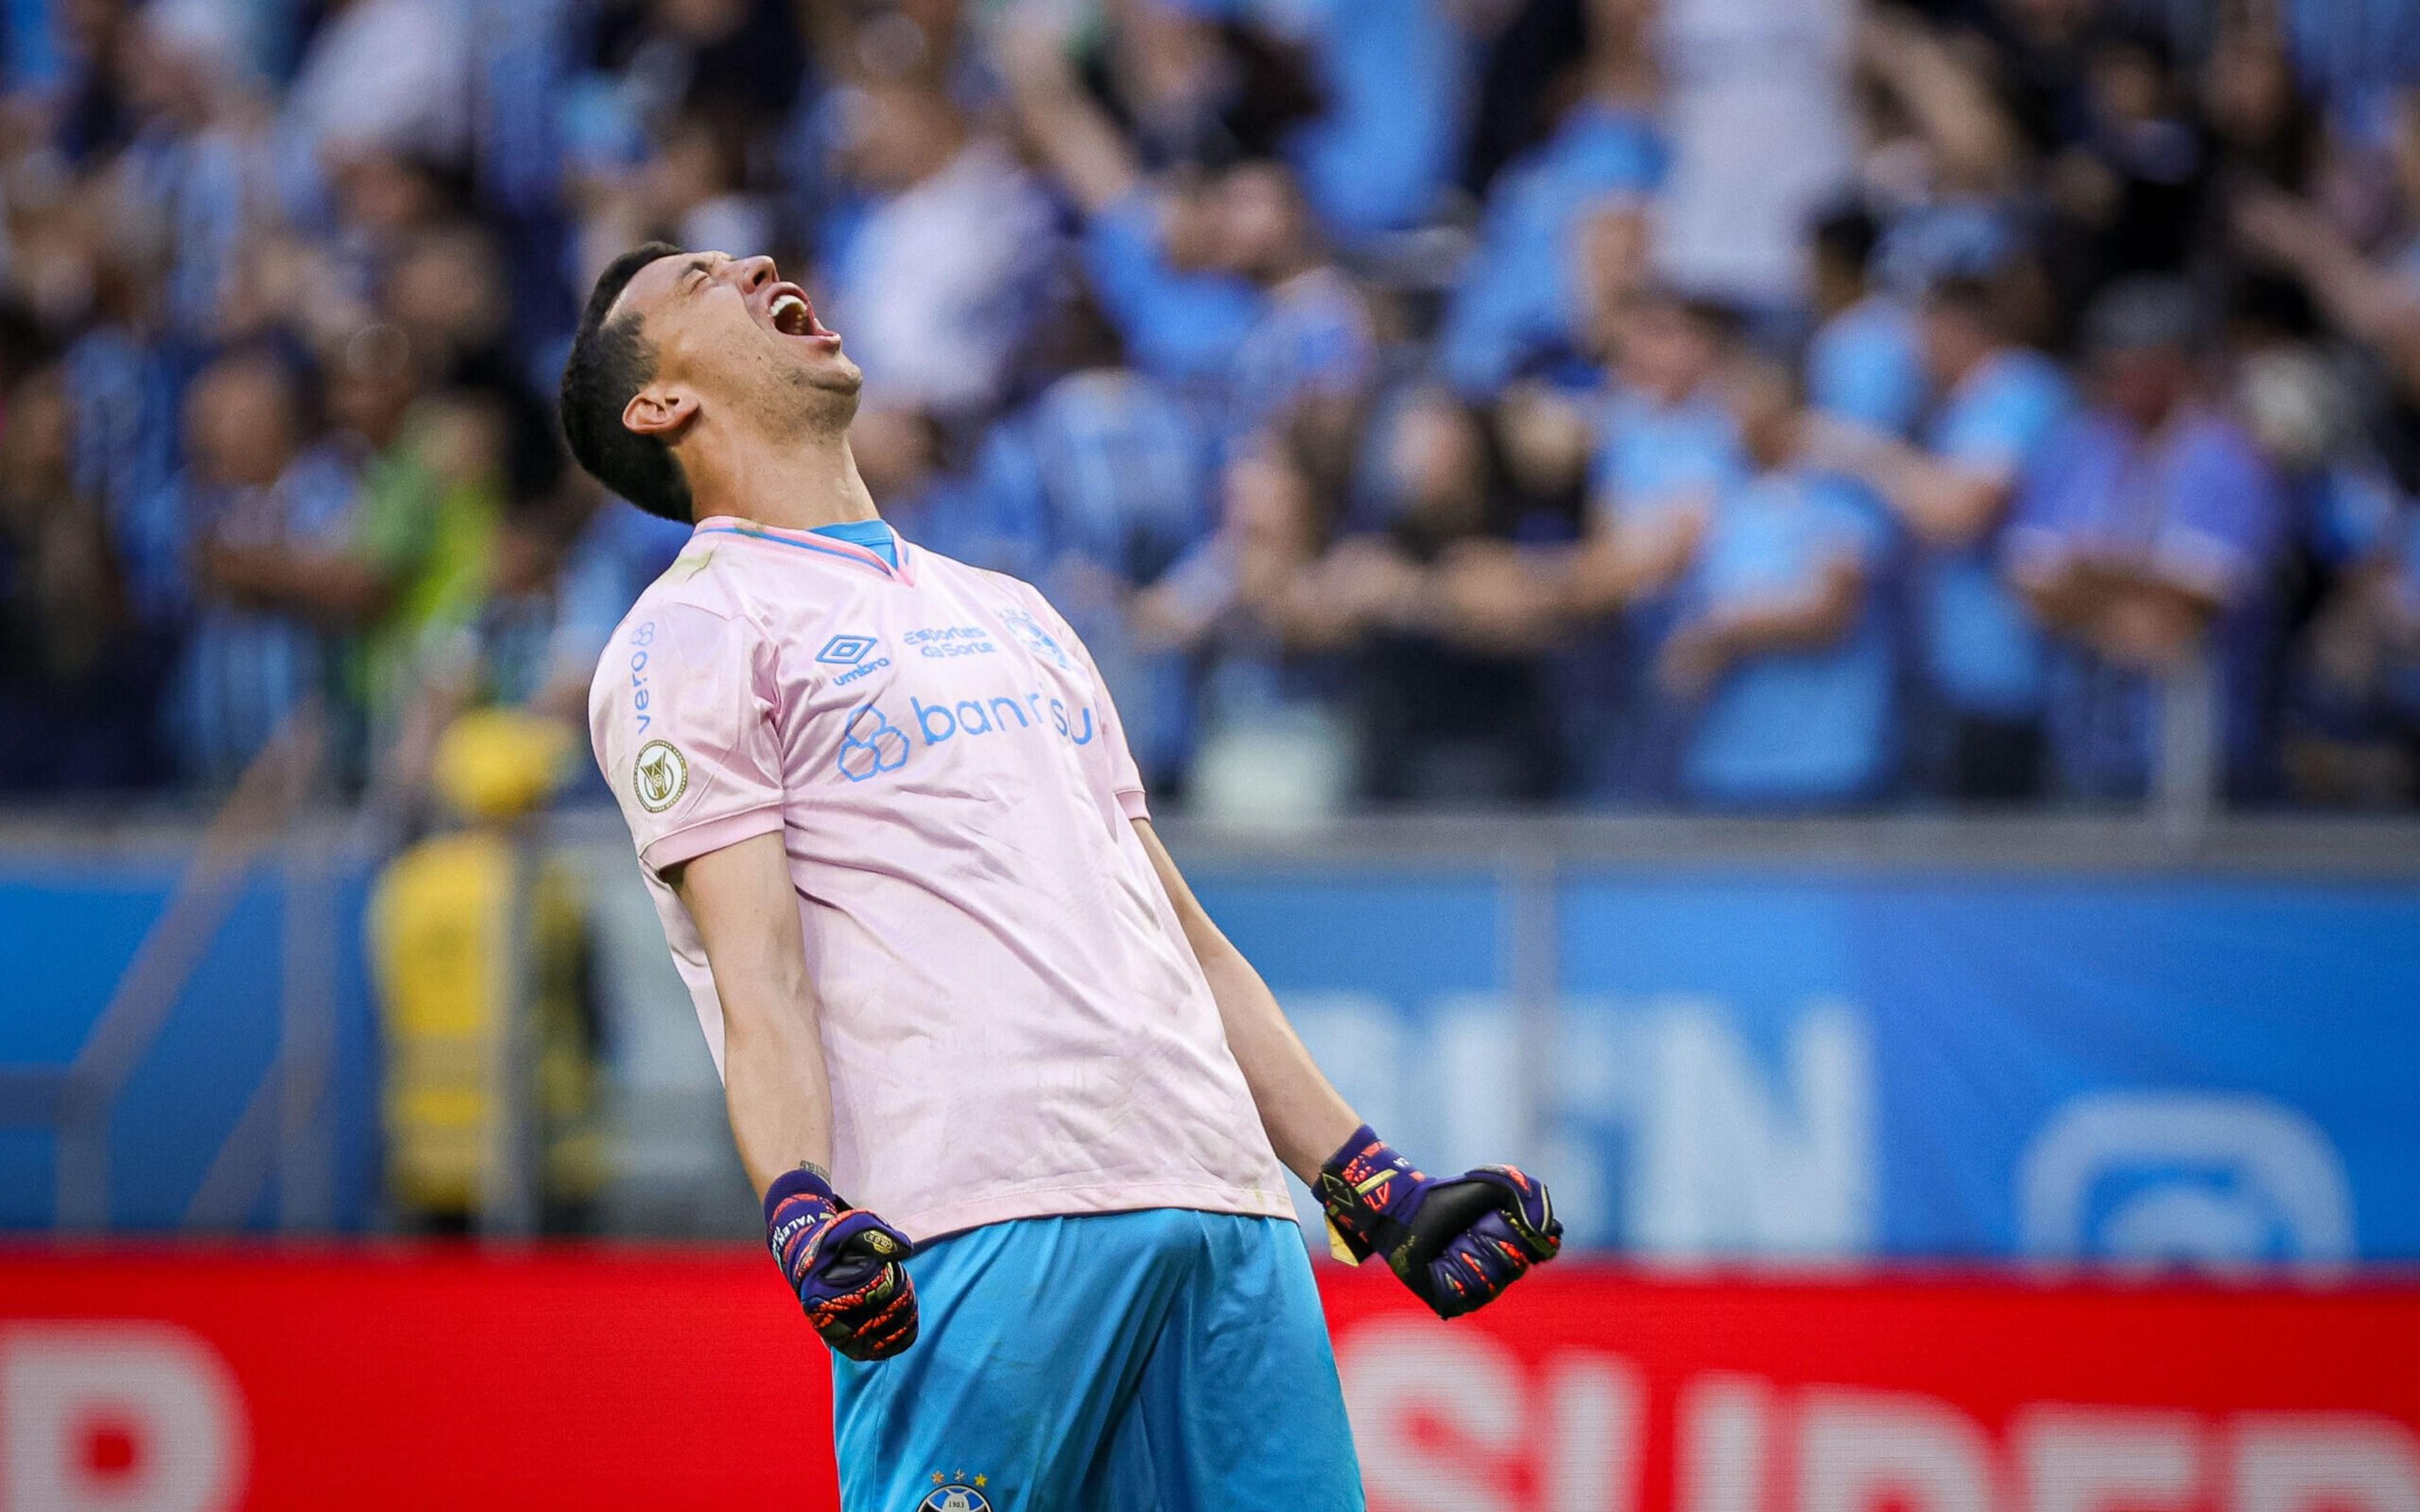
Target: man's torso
{"points": [[1011, 1023]]}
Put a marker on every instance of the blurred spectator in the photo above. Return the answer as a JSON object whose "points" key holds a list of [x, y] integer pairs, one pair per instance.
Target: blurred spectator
{"points": [[1779, 641], [1383, 150], [1195, 81], [270, 518], [1664, 449], [1993, 408], [2131, 185], [1755, 106], [1245, 482], [940, 280], [2144, 541], [1667, 449], [196, 170], [416, 557], [1862, 365], [1516, 299], [1442, 722], [1105, 481], [1251, 602], [554, 590], [1306, 365], [74, 684], [1150, 247], [378, 75]]}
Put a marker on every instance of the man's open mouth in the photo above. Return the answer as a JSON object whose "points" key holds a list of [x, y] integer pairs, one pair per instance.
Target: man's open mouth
{"points": [[793, 314]]}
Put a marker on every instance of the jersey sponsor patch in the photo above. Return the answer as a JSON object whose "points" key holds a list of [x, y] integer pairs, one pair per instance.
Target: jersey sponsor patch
{"points": [[1037, 639], [660, 776]]}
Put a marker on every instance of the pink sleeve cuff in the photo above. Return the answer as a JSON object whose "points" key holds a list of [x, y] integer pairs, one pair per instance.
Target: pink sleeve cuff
{"points": [[688, 844], [1133, 802]]}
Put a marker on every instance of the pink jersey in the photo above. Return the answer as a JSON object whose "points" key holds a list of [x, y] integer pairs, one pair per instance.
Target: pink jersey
{"points": [[1012, 1022]]}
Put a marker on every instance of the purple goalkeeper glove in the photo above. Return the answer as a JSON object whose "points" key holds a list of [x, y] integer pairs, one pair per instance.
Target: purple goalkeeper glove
{"points": [[843, 1264], [1457, 1243]]}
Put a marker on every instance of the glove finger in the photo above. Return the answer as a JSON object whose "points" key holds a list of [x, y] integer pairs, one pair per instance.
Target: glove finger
{"points": [[877, 1334], [882, 1345], [880, 1312], [877, 1346], [1474, 1270], [1528, 1213], [881, 1295], [840, 1314]]}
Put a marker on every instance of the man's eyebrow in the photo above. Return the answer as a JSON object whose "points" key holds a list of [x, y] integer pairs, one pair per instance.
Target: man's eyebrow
{"points": [[697, 265]]}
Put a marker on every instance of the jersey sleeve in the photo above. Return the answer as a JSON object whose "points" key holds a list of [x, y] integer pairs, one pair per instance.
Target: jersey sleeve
{"points": [[682, 719]]}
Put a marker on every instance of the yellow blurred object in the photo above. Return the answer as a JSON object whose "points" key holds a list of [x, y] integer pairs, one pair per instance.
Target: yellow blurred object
{"points": [[444, 953], [499, 764]]}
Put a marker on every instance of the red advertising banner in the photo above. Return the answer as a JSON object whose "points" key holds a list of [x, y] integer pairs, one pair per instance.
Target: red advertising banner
{"points": [[601, 1379]]}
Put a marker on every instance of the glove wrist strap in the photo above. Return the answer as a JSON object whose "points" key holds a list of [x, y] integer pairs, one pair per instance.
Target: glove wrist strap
{"points": [[1360, 1188], [806, 1182], [796, 1201]]}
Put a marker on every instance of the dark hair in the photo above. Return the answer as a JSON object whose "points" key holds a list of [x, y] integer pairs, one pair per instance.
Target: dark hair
{"points": [[1847, 234], [2144, 312], [1722, 321], [610, 362]]}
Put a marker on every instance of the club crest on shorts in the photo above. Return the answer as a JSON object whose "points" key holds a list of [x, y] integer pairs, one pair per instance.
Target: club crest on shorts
{"points": [[957, 1492], [661, 774]]}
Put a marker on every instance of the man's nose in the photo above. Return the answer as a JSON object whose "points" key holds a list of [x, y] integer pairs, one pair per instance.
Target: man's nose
{"points": [[755, 272]]}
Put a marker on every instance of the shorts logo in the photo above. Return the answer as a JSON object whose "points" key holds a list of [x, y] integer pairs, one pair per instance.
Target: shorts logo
{"points": [[661, 774], [869, 744], [1029, 632], [956, 1494]]}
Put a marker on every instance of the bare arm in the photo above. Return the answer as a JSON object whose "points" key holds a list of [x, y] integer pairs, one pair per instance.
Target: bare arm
{"points": [[1945, 504], [331, 587], [2368, 302], [1696, 654], [1306, 1118], [1073, 136], [773, 1075], [1951, 107], [1628, 556]]}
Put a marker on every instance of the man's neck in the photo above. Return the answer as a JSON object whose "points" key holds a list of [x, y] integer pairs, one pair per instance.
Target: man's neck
{"points": [[797, 486]]}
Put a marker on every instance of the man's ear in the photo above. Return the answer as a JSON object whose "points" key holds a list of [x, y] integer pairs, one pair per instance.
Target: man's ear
{"points": [[661, 412]]}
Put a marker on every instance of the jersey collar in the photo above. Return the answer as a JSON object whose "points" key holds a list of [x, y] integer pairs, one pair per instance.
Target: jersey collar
{"points": [[823, 546]]}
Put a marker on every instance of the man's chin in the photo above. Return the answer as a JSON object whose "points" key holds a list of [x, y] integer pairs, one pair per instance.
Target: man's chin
{"points": [[838, 373]]}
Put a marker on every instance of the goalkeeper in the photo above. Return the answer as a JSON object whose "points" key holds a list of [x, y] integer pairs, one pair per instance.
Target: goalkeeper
{"points": [[951, 976]]}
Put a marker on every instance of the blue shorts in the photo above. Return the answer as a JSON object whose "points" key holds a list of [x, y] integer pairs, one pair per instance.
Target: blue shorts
{"points": [[1159, 1361]]}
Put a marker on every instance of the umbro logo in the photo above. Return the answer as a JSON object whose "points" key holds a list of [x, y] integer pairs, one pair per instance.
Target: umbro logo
{"points": [[846, 650]]}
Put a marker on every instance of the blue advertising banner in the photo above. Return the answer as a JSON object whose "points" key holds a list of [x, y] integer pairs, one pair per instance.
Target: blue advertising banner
{"points": [[1733, 1063], [2072, 1069], [68, 932]]}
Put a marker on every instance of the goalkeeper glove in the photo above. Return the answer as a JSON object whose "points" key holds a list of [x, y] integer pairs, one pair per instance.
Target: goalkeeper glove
{"points": [[843, 1264], [1456, 1244]]}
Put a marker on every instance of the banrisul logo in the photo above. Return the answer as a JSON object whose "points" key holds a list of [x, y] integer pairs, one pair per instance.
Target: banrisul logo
{"points": [[853, 653], [869, 744]]}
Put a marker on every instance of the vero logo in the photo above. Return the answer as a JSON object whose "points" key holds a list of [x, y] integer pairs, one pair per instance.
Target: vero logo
{"points": [[846, 650]]}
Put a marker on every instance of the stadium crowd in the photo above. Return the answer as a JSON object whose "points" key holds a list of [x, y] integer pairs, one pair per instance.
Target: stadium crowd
{"points": [[1736, 403]]}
